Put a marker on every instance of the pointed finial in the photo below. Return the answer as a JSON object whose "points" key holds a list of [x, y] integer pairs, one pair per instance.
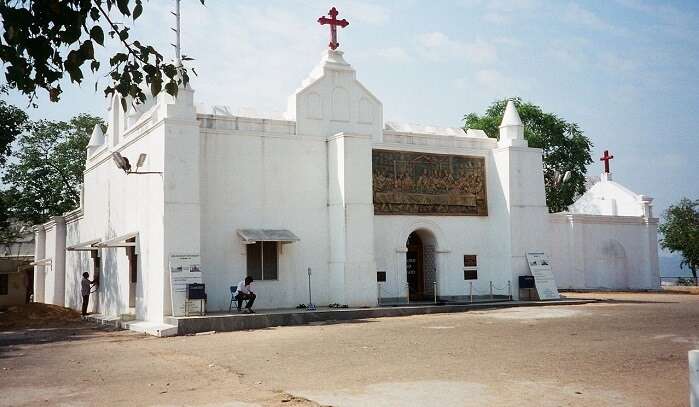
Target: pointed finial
{"points": [[511, 127], [97, 137], [511, 116]]}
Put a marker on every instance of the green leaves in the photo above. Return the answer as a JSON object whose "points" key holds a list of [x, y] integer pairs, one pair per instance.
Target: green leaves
{"points": [[680, 231], [44, 41], [13, 122], [564, 146], [123, 6], [44, 176], [97, 34], [137, 10]]}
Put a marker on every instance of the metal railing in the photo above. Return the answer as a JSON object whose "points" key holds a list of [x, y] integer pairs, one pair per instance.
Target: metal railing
{"points": [[493, 291], [492, 288]]}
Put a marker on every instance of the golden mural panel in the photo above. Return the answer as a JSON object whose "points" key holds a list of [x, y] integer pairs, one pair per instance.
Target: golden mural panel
{"points": [[412, 183]]}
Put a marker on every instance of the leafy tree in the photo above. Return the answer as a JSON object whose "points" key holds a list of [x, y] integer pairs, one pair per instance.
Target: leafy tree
{"points": [[44, 40], [565, 147], [680, 232], [45, 176], [13, 122]]}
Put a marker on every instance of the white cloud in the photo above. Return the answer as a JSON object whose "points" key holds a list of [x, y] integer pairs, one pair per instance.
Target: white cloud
{"points": [[679, 22], [491, 83], [437, 46], [367, 12], [501, 85], [394, 54], [576, 14]]}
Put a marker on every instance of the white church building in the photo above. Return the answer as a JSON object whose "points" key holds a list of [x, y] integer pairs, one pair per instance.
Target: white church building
{"points": [[332, 188]]}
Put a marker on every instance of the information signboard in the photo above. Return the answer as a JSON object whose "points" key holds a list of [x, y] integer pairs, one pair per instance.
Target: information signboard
{"points": [[184, 270], [540, 267]]}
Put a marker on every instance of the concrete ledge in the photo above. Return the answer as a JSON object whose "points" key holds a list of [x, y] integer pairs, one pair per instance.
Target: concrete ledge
{"points": [[151, 328], [100, 319], [680, 289], [240, 322]]}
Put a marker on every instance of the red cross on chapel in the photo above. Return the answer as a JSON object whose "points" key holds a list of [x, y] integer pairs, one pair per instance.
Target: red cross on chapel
{"points": [[606, 157], [334, 22]]}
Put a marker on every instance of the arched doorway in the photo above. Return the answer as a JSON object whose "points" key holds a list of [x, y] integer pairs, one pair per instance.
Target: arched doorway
{"points": [[420, 265], [414, 267]]}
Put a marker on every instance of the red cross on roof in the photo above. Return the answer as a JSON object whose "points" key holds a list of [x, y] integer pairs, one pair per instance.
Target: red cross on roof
{"points": [[606, 157], [333, 22]]}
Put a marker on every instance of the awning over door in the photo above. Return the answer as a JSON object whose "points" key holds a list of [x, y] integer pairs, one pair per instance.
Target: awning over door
{"points": [[250, 236], [120, 241], [90, 245], [42, 262]]}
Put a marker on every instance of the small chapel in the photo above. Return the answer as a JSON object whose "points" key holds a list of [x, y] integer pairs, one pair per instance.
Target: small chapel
{"points": [[366, 211]]}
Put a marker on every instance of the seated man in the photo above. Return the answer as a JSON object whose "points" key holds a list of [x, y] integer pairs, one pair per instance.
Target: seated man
{"points": [[244, 292]]}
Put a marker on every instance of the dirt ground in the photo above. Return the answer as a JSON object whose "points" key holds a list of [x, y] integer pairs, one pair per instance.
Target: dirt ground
{"points": [[628, 351]]}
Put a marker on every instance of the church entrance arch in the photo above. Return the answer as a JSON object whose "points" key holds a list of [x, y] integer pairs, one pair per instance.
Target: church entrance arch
{"points": [[420, 267]]}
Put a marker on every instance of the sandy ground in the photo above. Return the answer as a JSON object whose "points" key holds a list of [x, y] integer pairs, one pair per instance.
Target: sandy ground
{"points": [[630, 351]]}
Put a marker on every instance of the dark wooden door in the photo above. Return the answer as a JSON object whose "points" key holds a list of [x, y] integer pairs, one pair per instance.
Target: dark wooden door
{"points": [[416, 278]]}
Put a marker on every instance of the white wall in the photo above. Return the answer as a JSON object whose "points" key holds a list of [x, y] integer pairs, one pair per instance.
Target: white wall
{"points": [[50, 276], [604, 252], [455, 236], [257, 174], [116, 204]]}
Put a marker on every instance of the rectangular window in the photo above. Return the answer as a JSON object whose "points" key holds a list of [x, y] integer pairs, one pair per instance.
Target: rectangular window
{"points": [[262, 262], [4, 284]]}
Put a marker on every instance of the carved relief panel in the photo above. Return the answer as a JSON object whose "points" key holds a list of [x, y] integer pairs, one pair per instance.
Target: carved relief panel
{"points": [[412, 183]]}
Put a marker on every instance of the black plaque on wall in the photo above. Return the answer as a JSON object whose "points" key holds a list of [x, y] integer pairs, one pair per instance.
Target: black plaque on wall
{"points": [[470, 274], [412, 183], [470, 260]]}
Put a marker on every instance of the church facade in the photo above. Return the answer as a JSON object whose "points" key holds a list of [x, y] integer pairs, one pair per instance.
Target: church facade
{"points": [[375, 212]]}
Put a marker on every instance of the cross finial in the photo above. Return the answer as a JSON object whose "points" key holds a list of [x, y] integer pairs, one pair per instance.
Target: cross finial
{"points": [[606, 157], [333, 22]]}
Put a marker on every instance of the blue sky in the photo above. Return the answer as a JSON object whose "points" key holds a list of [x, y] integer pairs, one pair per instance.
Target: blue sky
{"points": [[624, 70]]}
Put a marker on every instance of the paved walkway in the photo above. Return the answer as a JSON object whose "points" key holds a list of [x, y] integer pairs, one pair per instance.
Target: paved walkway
{"points": [[227, 322]]}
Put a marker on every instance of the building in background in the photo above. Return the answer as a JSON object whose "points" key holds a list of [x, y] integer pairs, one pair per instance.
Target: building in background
{"points": [[608, 239], [16, 272]]}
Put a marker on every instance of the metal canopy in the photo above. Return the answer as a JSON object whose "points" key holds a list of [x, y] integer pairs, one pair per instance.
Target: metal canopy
{"points": [[85, 246], [250, 236]]}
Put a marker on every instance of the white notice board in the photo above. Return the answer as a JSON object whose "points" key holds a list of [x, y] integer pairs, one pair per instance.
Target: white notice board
{"points": [[184, 269], [540, 267]]}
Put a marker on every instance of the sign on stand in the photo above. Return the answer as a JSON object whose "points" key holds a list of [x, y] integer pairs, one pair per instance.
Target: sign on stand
{"points": [[540, 267], [184, 270]]}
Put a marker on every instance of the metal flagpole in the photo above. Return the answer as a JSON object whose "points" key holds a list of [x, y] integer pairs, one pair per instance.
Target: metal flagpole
{"points": [[177, 30]]}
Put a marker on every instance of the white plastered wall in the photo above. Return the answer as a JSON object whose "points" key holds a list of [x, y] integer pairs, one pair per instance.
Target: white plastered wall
{"points": [[604, 252], [454, 236], [259, 174], [117, 204]]}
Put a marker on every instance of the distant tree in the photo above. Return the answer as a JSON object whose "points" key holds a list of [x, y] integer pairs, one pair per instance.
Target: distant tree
{"points": [[45, 175], [45, 40], [565, 147], [13, 122], [680, 230]]}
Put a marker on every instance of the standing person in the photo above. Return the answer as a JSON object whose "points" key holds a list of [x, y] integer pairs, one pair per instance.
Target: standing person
{"points": [[85, 286], [244, 292]]}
